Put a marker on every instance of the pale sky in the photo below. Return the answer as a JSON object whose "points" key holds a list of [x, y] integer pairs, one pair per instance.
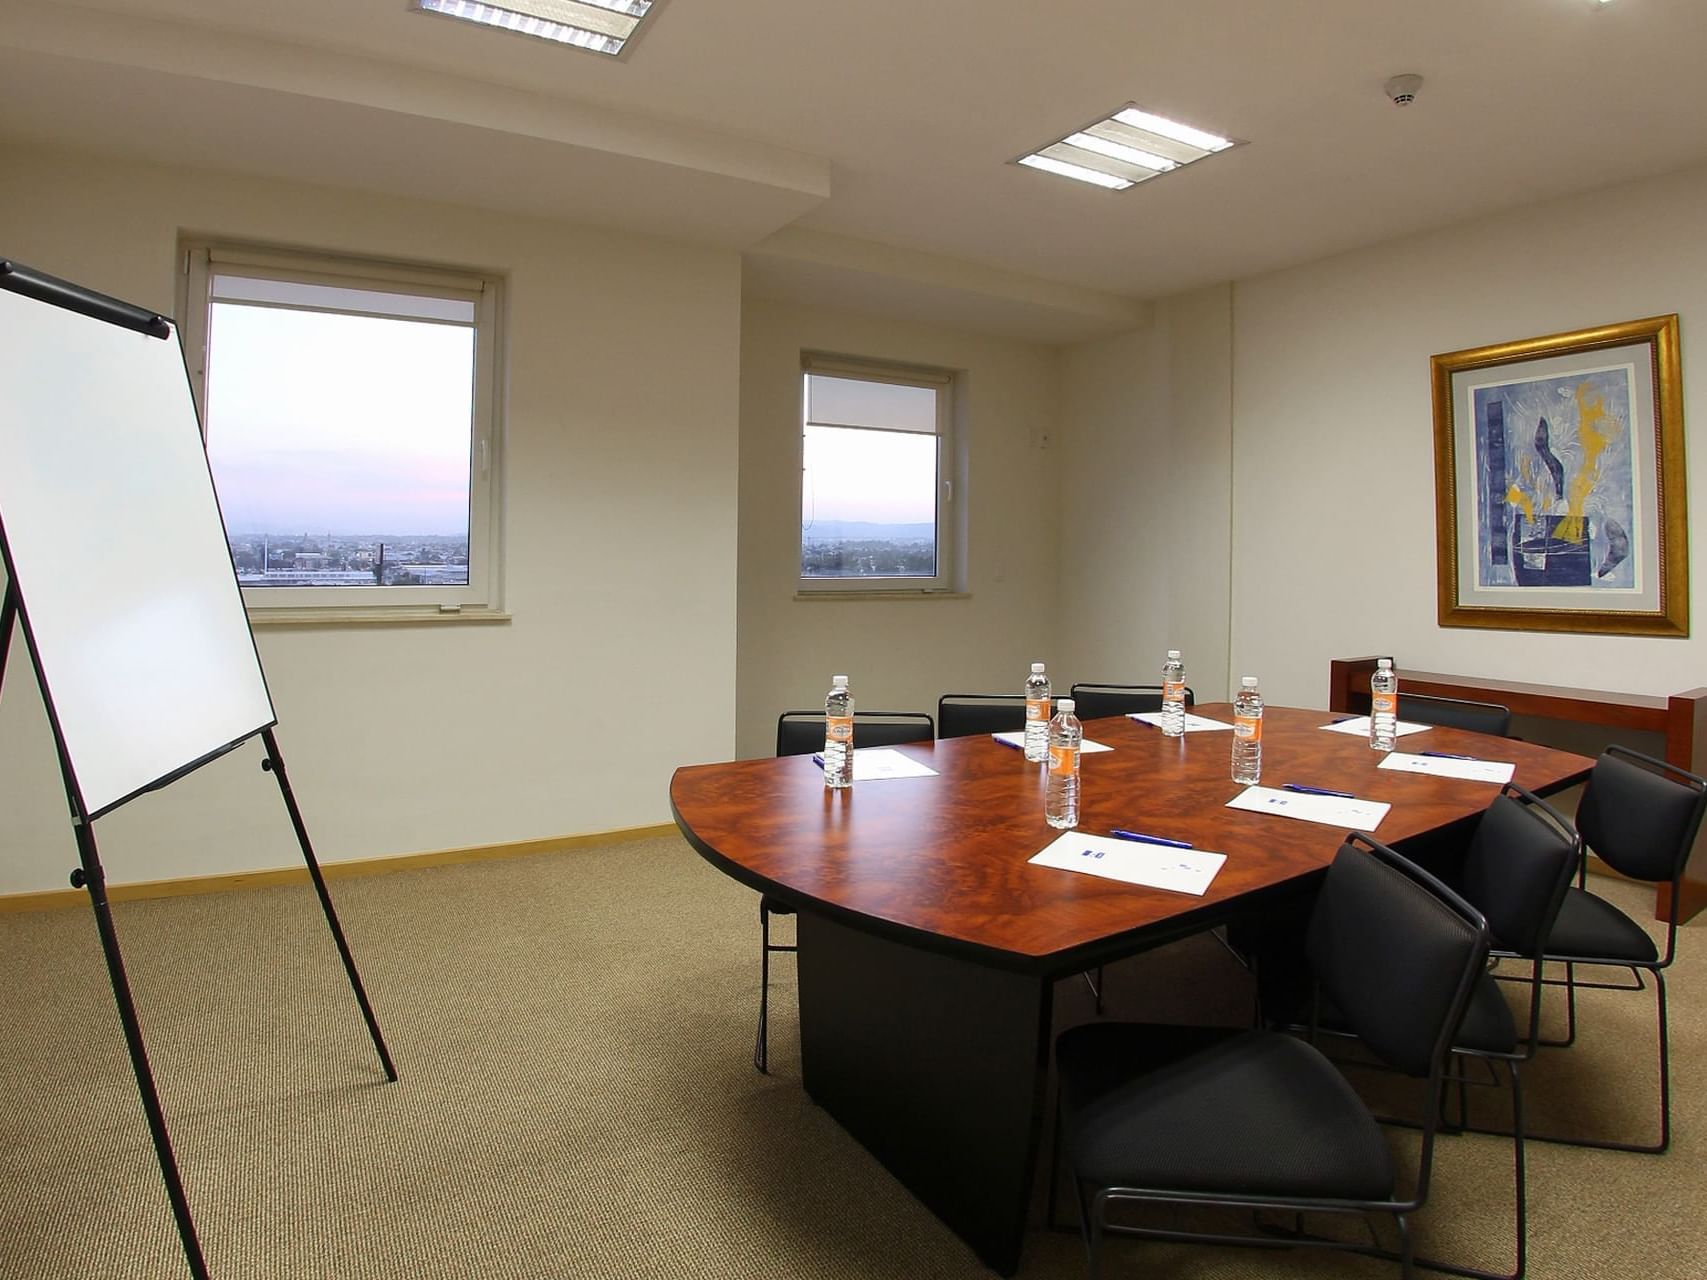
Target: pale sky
{"points": [[885, 476], [339, 423]]}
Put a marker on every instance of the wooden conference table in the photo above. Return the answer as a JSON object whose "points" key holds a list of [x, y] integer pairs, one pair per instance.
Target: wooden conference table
{"points": [[929, 945]]}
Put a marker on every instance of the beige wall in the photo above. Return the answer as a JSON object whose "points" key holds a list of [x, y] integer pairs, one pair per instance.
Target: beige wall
{"points": [[1146, 443], [1333, 531], [622, 417], [899, 654]]}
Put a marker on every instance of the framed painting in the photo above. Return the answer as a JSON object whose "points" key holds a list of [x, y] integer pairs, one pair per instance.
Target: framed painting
{"points": [[1559, 483]]}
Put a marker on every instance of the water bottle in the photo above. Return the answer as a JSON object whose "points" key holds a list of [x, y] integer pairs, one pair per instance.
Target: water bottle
{"points": [[1247, 732], [838, 734], [1061, 794], [1037, 715], [1173, 695], [1383, 705]]}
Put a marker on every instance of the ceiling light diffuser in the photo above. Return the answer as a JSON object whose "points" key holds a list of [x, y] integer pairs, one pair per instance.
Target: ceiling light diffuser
{"points": [[1126, 148], [598, 26]]}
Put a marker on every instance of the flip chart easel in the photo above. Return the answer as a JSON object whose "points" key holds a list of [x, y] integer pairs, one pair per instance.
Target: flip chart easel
{"points": [[146, 663]]}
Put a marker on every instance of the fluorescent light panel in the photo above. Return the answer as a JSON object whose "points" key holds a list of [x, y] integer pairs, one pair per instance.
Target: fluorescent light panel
{"points": [[1128, 147], [599, 26]]}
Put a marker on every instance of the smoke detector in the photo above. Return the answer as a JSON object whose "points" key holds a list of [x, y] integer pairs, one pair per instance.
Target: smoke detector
{"points": [[1403, 89]]}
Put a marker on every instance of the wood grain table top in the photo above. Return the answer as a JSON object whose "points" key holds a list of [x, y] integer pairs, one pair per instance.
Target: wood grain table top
{"points": [[943, 862]]}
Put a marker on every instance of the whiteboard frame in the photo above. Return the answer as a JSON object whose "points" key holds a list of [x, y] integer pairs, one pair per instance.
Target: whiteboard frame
{"points": [[45, 291]]}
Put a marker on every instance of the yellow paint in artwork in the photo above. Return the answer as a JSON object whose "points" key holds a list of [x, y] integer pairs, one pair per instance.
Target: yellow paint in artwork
{"points": [[1594, 433], [1518, 498]]}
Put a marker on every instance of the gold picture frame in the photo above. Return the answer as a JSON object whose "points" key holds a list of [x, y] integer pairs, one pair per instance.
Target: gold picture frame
{"points": [[1559, 483]]}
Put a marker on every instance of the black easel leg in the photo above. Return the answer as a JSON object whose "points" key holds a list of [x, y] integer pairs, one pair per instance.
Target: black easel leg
{"points": [[8, 613], [91, 877], [274, 763]]}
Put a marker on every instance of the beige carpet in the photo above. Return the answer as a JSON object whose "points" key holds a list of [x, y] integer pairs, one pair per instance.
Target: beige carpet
{"points": [[573, 1034]]}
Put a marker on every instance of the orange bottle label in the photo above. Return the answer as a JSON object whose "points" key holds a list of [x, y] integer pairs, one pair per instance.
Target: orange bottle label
{"points": [[1248, 727], [1173, 689], [838, 729], [1063, 761], [1384, 704], [1037, 708]]}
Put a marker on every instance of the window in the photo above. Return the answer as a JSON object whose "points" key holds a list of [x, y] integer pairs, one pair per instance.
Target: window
{"points": [[876, 477], [349, 418]]}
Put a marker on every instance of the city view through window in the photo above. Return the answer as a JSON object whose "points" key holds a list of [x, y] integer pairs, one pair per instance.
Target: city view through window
{"points": [[869, 480], [340, 446]]}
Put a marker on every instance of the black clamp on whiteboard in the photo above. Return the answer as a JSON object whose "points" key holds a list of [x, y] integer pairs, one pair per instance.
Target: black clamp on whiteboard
{"points": [[86, 302]]}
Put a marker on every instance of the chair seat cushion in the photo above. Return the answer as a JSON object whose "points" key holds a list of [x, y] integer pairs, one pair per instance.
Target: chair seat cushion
{"points": [[1591, 927], [1215, 1110], [1488, 1026]]}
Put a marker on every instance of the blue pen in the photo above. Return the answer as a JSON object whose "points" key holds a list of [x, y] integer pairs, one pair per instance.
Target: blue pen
{"points": [[1122, 834], [1316, 791], [1444, 755], [1017, 746]]}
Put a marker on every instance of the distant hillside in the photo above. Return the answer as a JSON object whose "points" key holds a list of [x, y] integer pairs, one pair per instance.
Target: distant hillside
{"points": [[866, 531]]}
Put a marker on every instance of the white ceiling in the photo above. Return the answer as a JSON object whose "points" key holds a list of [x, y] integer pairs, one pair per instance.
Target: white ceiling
{"points": [[859, 152]]}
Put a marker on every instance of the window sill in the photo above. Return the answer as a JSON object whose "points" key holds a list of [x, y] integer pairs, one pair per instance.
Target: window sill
{"points": [[393, 616], [878, 593]]}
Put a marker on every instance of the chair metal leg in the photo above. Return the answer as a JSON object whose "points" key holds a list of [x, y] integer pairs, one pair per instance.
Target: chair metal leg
{"points": [[1091, 1222], [761, 1046], [1649, 1149], [1570, 985], [1520, 1198], [1095, 984], [1054, 1172]]}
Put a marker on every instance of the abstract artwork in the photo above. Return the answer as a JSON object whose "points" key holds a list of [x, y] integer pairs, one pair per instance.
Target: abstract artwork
{"points": [[1559, 483]]}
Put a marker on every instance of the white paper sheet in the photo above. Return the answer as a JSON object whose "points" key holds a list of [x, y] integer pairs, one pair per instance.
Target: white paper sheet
{"points": [[1333, 811], [872, 764], [1152, 865], [1359, 727], [1017, 739], [1193, 724], [1495, 771]]}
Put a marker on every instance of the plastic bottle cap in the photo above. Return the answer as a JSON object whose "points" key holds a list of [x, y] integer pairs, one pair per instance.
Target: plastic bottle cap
{"points": [[838, 682], [1037, 668], [1249, 682], [1173, 655], [1383, 663], [1064, 706]]}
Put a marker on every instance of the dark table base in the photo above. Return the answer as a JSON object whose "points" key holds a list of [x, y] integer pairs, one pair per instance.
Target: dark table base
{"points": [[937, 1066]]}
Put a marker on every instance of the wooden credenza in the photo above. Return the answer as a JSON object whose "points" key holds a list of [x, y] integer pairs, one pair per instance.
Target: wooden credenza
{"points": [[1680, 719]]}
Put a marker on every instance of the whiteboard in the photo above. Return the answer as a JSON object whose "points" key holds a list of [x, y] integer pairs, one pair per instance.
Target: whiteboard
{"points": [[115, 544]]}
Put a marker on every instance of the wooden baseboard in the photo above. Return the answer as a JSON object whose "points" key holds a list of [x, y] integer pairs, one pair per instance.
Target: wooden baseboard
{"points": [[53, 899]]}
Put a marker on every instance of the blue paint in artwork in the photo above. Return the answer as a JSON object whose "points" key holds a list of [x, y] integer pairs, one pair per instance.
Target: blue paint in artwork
{"points": [[1536, 469]]}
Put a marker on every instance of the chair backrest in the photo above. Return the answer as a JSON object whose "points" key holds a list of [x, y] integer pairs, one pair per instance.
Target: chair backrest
{"points": [[1396, 951], [799, 732], [1640, 814], [1517, 868], [960, 714], [1455, 713], [1094, 700]]}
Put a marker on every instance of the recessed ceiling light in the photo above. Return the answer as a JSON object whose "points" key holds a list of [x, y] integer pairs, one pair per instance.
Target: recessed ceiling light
{"points": [[1077, 171], [598, 26], [1126, 148]]}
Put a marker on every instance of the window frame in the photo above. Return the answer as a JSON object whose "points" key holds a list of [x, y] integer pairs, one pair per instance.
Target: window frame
{"points": [[945, 383], [482, 598]]}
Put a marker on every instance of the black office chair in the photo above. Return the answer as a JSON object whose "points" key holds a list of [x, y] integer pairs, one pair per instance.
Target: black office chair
{"points": [[1220, 1116], [1094, 700], [1455, 713], [959, 715], [1639, 815], [1515, 872], [797, 733]]}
